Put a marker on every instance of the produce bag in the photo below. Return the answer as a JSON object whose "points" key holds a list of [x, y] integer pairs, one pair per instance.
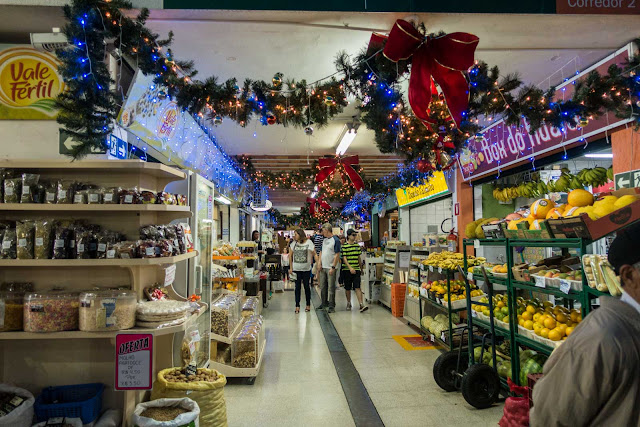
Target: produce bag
{"points": [[516, 409], [22, 415], [187, 419], [208, 395]]}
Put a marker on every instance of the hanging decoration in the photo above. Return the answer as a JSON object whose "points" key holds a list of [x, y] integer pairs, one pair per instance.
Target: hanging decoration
{"points": [[328, 167], [317, 204], [308, 130]]}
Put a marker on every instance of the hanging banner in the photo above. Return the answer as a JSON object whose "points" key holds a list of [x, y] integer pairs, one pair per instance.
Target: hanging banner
{"points": [[435, 186], [503, 146], [598, 7], [29, 84]]}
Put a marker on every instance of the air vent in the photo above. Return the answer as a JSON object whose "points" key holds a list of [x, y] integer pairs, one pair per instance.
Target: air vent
{"points": [[49, 42]]}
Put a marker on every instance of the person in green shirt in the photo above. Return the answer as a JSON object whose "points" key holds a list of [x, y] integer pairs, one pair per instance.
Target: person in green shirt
{"points": [[352, 264]]}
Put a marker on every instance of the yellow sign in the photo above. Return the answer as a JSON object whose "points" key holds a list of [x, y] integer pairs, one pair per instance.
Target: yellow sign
{"points": [[29, 84], [435, 186]]}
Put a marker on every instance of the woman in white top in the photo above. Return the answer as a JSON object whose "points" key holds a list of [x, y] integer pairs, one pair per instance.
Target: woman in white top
{"points": [[285, 264], [302, 256]]}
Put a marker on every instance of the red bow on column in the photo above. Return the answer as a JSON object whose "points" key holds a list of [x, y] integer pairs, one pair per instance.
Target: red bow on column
{"points": [[328, 167], [321, 204], [441, 60]]}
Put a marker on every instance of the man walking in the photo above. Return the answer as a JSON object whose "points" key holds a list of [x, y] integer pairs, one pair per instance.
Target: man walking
{"points": [[352, 265], [593, 379], [326, 268]]}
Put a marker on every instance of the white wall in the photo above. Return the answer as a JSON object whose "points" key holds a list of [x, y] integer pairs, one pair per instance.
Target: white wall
{"points": [[426, 219]]}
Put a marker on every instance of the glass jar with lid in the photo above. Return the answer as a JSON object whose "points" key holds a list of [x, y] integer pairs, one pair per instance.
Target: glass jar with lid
{"points": [[11, 307]]}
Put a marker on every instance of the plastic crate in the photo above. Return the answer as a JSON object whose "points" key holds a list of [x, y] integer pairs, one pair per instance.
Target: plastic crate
{"points": [[398, 289], [82, 401]]}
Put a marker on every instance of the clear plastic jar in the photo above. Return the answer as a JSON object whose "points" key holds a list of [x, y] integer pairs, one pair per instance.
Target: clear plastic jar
{"points": [[11, 307], [249, 306], [224, 315], [107, 310], [50, 311], [244, 349]]}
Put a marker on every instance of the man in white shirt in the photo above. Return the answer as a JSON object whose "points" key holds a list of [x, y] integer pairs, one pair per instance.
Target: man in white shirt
{"points": [[327, 268]]}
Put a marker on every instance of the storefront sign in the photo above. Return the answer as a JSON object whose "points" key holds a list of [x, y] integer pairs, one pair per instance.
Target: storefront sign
{"points": [[598, 7], [435, 186], [503, 145], [627, 179], [29, 84], [134, 368]]}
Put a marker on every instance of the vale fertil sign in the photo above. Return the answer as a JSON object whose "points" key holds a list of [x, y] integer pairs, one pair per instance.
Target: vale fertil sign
{"points": [[29, 84]]}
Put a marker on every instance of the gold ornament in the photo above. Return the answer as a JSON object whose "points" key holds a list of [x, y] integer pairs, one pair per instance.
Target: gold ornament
{"points": [[584, 122]]}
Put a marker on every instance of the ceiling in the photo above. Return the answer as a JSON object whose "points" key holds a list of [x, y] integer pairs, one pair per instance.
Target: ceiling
{"points": [[544, 49]]}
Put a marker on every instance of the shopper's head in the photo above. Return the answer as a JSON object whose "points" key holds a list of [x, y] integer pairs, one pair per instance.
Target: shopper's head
{"points": [[624, 256], [351, 235], [300, 235], [327, 229], [285, 250], [255, 235]]}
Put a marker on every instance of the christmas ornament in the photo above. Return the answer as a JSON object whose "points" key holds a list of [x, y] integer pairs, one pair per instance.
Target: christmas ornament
{"points": [[328, 167], [315, 205], [442, 130], [162, 94], [328, 100], [444, 160], [217, 120], [584, 122], [423, 166], [442, 60], [308, 131], [271, 118], [276, 80], [478, 137], [286, 91]]}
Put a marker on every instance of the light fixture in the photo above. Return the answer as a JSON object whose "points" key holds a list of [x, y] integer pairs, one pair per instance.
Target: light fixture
{"points": [[599, 155], [222, 199], [347, 136]]}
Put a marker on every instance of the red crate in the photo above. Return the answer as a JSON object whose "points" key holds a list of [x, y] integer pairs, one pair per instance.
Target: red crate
{"points": [[398, 289], [532, 379]]}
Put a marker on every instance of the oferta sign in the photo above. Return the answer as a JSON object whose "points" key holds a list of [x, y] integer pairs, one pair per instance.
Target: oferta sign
{"points": [[435, 186]]}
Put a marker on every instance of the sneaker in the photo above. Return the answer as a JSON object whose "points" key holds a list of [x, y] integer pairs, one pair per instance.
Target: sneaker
{"points": [[348, 306], [364, 308], [320, 307], [331, 310]]}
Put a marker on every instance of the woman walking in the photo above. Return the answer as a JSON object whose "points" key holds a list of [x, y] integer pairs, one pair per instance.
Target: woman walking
{"points": [[285, 264], [302, 255]]}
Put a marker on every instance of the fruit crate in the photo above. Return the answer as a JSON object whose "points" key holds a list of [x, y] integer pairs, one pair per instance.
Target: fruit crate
{"points": [[493, 231], [544, 232]]}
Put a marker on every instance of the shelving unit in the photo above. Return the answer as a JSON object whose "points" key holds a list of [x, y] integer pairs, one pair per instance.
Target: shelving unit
{"points": [[412, 304], [87, 357], [391, 271]]}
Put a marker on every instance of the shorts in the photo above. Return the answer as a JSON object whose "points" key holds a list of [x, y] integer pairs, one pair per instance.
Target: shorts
{"points": [[351, 281]]}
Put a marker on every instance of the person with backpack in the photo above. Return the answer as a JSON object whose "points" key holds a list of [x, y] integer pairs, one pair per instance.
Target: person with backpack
{"points": [[326, 268], [302, 255]]}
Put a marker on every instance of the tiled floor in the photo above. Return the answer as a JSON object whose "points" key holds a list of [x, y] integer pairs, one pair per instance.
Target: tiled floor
{"points": [[298, 384]]}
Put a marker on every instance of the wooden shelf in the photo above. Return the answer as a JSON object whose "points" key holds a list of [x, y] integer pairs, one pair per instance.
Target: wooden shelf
{"points": [[157, 170], [118, 262], [102, 208], [225, 258], [65, 335]]}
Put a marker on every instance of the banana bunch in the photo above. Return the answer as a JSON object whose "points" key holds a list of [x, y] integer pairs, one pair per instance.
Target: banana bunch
{"points": [[528, 189], [505, 194], [451, 260], [594, 177], [610, 173]]}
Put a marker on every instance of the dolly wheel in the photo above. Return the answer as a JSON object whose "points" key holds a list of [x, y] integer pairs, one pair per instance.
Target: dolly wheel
{"points": [[445, 370], [480, 386]]}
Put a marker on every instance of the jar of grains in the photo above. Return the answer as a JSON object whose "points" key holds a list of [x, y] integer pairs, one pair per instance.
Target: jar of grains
{"points": [[50, 311], [11, 306]]}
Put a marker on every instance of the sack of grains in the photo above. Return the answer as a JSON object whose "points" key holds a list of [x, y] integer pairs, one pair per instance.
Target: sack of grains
{"points": [[167, 413]]}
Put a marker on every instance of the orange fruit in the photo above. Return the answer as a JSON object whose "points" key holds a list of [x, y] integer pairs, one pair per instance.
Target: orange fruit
{"points": [[554, 335], [528, 324], [549, 323], [537, 327], [569, 330], [531, 309], [580, 198], [527, 316], [540, 208], [554, 214], [544, 333], [521, 322], [562, 328], [537, 316], [561, 317]]}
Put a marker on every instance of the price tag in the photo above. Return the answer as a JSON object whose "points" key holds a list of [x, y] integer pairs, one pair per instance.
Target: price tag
{"points": [[476, 244], [169, 275], [540, 282], [469, 276], [440, 270], [432, 338], [134, 367], [442, 336], [473, 313], [431, 268], [565, 286]]}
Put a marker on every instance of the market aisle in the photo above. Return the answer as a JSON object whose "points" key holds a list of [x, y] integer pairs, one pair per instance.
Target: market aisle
{"points": [[297, 384], [400, 382]]}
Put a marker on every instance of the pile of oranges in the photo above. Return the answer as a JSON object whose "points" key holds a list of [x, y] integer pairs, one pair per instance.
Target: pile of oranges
{"points": [[555, 323]]}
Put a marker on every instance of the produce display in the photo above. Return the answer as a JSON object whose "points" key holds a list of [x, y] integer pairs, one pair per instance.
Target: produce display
{"points": [[438, 289], [451, 260], [600, 274], [531, 362], [501, 307], [546, 321], [440, 323], [29, 188]]}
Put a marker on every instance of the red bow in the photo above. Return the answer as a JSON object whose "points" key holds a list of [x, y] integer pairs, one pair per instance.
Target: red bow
{"points": [[320, 202], [441, 60], [328, 167]]}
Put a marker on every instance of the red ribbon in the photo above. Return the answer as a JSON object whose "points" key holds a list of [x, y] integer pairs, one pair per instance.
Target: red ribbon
{"points": [[321, 204], [328, 167], [440, 60]]}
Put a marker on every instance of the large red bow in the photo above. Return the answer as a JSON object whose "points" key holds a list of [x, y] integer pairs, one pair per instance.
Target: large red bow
{"points": [[318, 203], [328, 167], [441, 60]]}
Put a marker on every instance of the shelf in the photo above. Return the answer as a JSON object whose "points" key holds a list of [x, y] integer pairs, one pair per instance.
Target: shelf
{"points": [[227, 279], [118, 262], [547, 243], [222, 338], [485, 242], [486, 325], [21, 335], [412, 280], [419, 249], [535, 345], [442, 306], [157, 170], [102, 208], [492, 279], [551, 291], [230, 371], [596, 293]]}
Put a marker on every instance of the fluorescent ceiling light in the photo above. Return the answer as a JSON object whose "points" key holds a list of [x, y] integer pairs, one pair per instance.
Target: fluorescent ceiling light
{"points": [[348, 135], [223, 199], [600, 156]]}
